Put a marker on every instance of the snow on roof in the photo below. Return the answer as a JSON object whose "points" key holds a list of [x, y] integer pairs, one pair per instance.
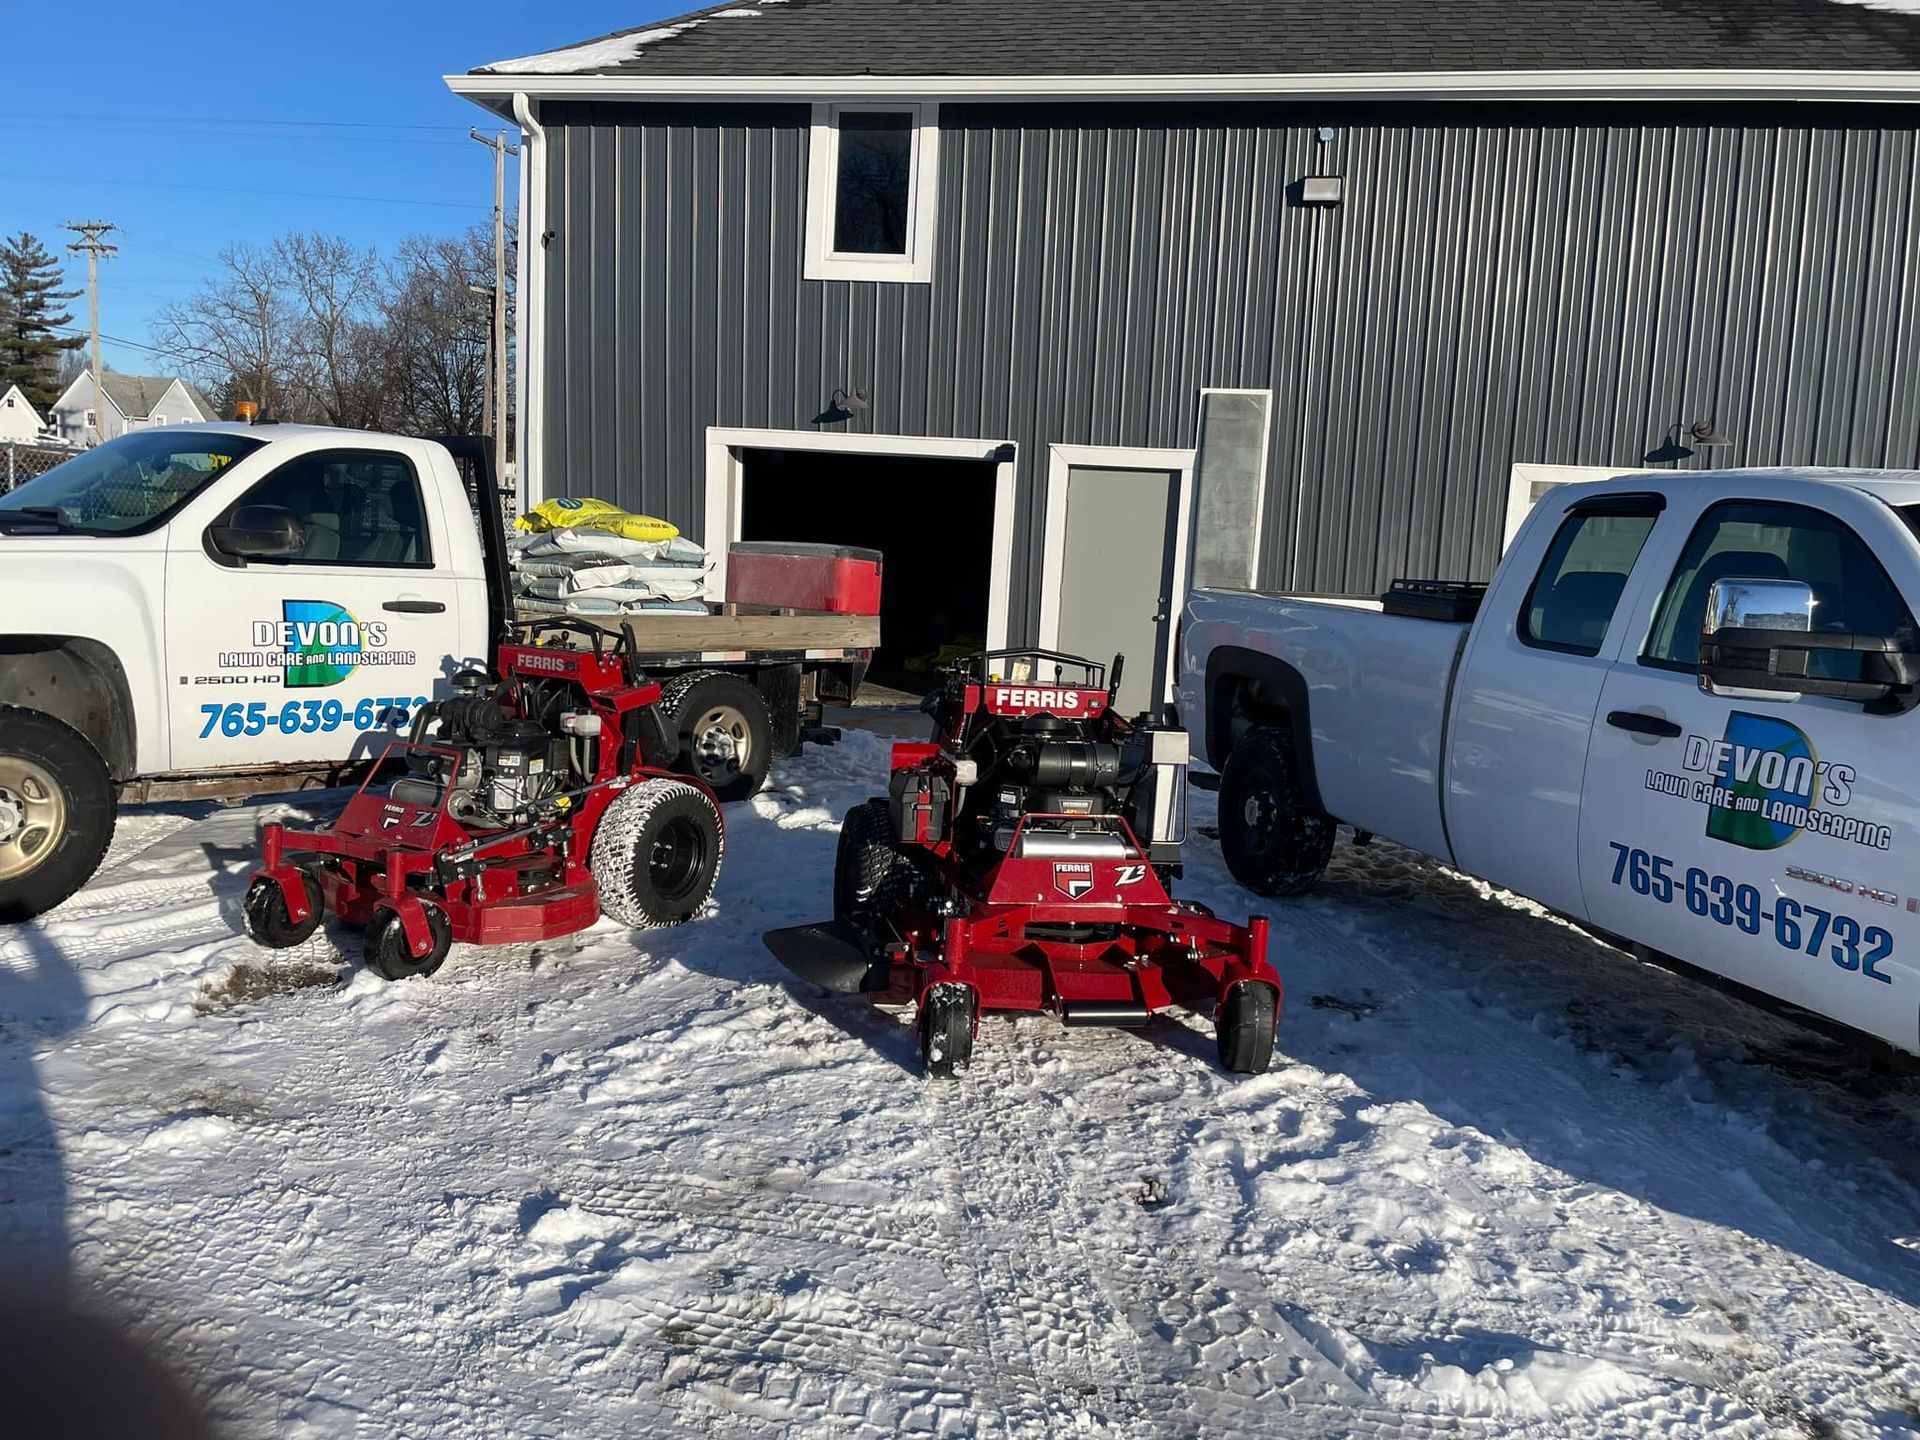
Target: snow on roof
{"points": [[618, 49]]}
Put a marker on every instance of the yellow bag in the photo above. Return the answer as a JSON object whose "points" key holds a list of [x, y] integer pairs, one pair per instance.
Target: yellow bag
{"points": [[569, 514]]}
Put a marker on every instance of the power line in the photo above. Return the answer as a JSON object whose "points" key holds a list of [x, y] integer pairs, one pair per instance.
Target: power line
{"points": [[201, 132], [116, 340], [68, 117], [240, 190]]}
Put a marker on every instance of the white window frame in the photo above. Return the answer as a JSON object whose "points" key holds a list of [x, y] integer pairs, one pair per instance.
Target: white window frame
{"points": [[823, 262], [1525, 475]]}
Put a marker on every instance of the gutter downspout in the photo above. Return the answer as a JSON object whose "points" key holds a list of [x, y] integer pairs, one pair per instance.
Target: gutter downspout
{"points": [[530, 316]]}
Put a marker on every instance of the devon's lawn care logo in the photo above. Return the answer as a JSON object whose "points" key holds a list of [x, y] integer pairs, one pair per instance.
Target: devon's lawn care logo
{"points": [[1762, 785], [315, 643]]}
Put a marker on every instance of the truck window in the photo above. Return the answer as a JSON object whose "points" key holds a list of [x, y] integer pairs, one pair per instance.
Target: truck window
{"points": [[1572, 599], [1765, 540], [131, 485], [359, 507]]}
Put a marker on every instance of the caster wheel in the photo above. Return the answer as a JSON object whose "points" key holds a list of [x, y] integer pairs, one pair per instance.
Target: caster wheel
{"points": [[1244, 1028], [946, 1029], [390, 957], [267, 919]]}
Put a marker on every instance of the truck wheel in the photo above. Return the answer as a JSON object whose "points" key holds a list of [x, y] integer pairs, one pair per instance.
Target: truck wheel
{"points": [[1244, 1029], [56, 812], [946, 1029], [656, 854], [726, 736], [266, 911], [1272, 842], [867, 866], [388, 954]]}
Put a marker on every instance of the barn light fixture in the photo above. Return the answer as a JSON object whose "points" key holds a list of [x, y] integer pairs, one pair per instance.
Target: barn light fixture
{"points": [[842, 406]]}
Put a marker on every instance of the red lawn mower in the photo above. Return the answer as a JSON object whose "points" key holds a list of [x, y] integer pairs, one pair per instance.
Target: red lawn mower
{"points": [[1020, 860], [526, 808]]}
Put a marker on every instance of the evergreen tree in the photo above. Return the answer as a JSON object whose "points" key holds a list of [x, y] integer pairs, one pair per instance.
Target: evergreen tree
{"points": [[32, 309]]}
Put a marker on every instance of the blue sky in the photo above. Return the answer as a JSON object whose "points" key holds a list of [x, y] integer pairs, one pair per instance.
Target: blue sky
{"points": [[172, 122]]}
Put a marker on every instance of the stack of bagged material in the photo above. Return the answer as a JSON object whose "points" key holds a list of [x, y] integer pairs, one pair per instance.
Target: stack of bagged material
{"points": [[585, 557]]}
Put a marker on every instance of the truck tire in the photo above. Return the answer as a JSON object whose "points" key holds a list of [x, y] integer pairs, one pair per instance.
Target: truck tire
{"points": [[726, 736], [56, 812], [868, 867], [656, 854], [1273, 843]]}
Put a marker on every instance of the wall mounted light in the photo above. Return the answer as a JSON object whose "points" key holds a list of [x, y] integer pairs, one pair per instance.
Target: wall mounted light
{"points": [[1320, 190], [842, 406]]}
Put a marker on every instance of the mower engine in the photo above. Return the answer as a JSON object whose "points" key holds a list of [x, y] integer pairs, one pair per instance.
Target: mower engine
{"points": [[524, 809], [1019, 861]]}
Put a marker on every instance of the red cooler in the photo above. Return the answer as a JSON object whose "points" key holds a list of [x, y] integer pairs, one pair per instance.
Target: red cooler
{"points": [[839, 579]]}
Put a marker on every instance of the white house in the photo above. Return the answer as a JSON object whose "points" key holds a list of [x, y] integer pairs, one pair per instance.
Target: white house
{"points": [[19, 421], [132, 403]]}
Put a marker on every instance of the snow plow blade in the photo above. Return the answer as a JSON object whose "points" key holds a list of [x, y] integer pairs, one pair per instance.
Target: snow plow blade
{"points": [[829, 955]]}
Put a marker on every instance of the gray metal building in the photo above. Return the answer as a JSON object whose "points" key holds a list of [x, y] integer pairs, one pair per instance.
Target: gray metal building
{"points": [[1069, 306]]}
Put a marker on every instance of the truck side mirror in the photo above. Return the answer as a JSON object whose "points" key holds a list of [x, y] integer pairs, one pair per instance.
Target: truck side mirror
{"points": [[260, 532], [1757, 641]]}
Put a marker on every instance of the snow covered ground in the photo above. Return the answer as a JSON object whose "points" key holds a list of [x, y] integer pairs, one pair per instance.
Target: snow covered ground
{"points": [[1500, 1182]]}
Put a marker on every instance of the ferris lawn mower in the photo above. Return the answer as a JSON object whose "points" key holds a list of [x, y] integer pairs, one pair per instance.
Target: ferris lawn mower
{"points": [[525, 810], [1019, 862]]}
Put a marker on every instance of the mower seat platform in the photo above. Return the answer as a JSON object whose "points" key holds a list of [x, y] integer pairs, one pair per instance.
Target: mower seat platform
{"points": [[830, 955]]}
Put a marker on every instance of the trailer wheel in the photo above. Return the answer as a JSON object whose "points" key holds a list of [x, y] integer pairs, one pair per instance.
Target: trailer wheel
{"points": [[388, 954], [726, 736], [946, 1029], [656, 853], [1244, 1029], [1272, 842], [266, 911], [56, 812], [868, 867]]}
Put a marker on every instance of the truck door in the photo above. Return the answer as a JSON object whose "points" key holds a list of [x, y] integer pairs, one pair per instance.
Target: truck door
{"points": [[1527, 688], [323, 654], [1766, 836]]}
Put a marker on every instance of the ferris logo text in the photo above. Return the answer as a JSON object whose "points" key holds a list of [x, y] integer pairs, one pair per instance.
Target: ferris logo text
{"points": [[1013, 696], [553, 664]]}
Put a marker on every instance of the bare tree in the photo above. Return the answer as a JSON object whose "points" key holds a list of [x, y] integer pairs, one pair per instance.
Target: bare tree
{"points": [[335, 355], [235, 334], [438, 324]]}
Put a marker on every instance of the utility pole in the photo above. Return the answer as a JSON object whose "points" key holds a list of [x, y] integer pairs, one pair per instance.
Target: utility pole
{"points": [[92, 243], [497, 358]]}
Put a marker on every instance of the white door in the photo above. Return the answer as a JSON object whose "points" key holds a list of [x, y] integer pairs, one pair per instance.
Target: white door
{"points": [[1529, 682], [325, 655], [1115, 571], [1761, 838]]}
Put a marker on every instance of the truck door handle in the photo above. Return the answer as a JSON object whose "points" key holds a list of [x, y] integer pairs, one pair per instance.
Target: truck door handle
{"points": [[1639, 723], [415, 607]]}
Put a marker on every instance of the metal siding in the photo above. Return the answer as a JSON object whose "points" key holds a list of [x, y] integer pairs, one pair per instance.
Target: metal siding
{"points": [[1559, 286]]}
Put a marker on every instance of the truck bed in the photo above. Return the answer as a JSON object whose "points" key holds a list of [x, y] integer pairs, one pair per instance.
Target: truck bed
{"points": [[730, 632]]}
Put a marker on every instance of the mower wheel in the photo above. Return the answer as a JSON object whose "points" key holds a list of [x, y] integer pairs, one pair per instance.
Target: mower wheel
{"points": [[868, 868], [946, 1029], [726, 736], [656, 853], [1244, 1028], [1272, 842], [266, 911], [388, 954]]}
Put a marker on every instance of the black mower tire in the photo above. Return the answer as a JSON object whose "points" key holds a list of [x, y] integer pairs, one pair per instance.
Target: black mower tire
{"points": [[724, 731], [60, 773], [1244, 1031], [269, 924], [391, 958], [946, 1029], [868, 867], [657, 853], [1273, 843]]}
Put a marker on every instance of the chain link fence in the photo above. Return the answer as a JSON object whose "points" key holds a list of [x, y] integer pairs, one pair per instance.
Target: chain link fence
{"points": [[21, 463]]}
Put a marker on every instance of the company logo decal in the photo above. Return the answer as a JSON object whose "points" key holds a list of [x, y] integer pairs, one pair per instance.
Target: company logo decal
{"points": [[1763, 785], [1072, 878], [314, 643]]}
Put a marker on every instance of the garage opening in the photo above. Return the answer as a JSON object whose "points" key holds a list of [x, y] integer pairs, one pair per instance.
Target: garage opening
{"points": [[931, 518]]}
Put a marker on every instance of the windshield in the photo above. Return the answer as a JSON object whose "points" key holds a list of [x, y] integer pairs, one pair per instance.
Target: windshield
{"points": [[126, 486]]}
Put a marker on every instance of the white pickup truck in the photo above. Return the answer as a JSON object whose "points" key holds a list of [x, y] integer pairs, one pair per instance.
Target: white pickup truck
{"points": [[1681, 713], [226, 609]]}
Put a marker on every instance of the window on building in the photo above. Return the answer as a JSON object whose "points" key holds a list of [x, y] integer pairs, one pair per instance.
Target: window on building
{"points": [[871, 181], [1761, 540], [91, 422], [358, 507], [1572, 599]]}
